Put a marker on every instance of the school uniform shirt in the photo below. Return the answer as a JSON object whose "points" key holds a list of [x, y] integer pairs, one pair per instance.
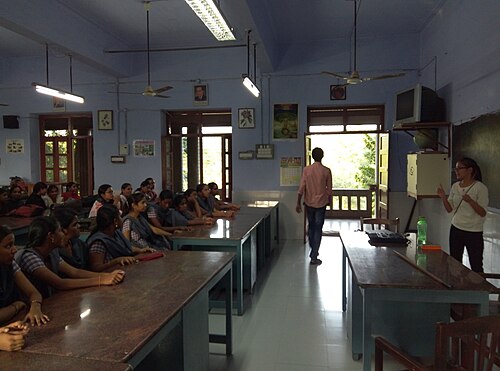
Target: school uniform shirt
{"points": [[464, 217], [30, 260], [177, 219], [110, 246], [160, 213], [207, 204], [8, 289]]}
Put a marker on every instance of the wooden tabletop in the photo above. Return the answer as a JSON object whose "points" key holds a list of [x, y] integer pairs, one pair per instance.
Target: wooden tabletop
{"points": [[124, 317], [14, 361], [226, 229], [15, 223], [382, 267]]}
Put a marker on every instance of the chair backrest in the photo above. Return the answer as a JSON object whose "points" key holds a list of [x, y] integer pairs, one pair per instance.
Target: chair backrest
{"points": [[377, 223], [478, 344]]}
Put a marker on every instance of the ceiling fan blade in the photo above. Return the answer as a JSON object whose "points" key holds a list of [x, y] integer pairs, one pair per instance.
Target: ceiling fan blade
{"points": [[162, 89], [335, 75], [381, 77], [161, 96], [124, 92], [4, 104]]}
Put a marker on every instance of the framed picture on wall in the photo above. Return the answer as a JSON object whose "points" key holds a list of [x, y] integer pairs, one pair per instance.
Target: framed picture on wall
{"points": [[246, 118], [105, 120], [200, 94], [286, 121], [338, 92]]}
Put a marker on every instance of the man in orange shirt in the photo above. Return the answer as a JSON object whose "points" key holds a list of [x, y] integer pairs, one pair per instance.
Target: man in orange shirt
{"points": [[316, 187]]}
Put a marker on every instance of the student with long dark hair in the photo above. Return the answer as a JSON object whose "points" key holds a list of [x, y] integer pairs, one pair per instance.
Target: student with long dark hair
{"points": [[468, 200], [126, 191], [36, 197], [14, 286], [178, 218], [104, 197], [137, 229], [41, 263], [108, 246], [73, 250]]}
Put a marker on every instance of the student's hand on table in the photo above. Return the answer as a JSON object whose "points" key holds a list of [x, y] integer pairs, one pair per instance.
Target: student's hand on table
{"points": [[208, 220], [126, 260], [35, 316], [12, 336], [147, 250], [112, 278]]}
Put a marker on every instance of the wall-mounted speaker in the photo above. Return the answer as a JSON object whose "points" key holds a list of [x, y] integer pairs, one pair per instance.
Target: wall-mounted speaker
{"points": [[10, 122]]}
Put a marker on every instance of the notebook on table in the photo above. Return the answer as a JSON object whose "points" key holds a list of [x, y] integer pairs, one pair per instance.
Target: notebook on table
{"points": [[385, 236]]}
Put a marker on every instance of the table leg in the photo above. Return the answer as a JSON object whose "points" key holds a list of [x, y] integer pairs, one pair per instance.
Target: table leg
{"points": [[367, 331], [344, 266]]}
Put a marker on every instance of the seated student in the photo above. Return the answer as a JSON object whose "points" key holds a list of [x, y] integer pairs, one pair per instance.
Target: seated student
{"points": [[193, 209], [17, 181], [178, 218], [151, 193], [137, 229], [41, 263], [72, 250], [4, 198], [15, 198], [52, 198], [104, 197], [159, 215], [14, 285], [207, 204], [36, 197], [13, 335], [144, 189], [71, 192], [126, 191], [108, 246], [219, 204]]}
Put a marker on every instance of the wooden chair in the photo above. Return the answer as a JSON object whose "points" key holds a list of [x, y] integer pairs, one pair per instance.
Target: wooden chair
{"points": [[478, 339], [377, 223]]}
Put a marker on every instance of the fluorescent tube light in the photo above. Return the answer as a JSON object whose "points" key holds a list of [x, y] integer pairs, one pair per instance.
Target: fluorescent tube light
{"points": [[210, 15], [57, 93], [251, 86]]}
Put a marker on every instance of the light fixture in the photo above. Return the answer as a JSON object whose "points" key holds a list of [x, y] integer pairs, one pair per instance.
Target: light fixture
{"points": [[247, 79], [57, 93], [212, 17], [45, 89], [251, 86]]}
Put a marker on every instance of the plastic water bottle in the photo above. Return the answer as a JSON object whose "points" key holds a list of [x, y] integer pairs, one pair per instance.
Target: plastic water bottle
{"points": [[421, 231]]}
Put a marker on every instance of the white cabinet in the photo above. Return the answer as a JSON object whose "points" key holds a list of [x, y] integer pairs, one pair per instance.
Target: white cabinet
{"points": [[425, 172]]}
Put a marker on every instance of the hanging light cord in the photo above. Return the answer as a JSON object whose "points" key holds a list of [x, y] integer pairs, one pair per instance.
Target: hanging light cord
{"points": [[47, 62]]}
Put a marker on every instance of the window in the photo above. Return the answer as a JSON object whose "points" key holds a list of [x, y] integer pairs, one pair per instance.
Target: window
{"points": [[197, 149], [66, 150]]}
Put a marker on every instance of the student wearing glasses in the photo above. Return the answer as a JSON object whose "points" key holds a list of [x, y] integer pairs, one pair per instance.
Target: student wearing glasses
{"points": [[467, 201], [105, 197]]}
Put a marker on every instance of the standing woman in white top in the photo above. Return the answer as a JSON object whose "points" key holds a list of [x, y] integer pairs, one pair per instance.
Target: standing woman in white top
{"points": [[467, 201]]}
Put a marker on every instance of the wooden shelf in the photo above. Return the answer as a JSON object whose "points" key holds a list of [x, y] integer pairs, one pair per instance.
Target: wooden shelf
{"points": [[416, 126]]}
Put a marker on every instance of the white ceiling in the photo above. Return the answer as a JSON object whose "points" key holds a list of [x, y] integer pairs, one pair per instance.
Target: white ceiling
{"points": [[89, 29]]}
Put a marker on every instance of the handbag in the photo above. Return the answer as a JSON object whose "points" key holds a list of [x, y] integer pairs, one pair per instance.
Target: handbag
{"points": [[28, 211]]}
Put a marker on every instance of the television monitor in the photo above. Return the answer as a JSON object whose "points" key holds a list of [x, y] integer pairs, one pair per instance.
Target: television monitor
{"points": [[418, 104]]}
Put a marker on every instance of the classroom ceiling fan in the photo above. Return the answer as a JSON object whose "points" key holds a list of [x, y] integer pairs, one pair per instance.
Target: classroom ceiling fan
{"points": [[4, 104], [354, 77], [148, 90]]}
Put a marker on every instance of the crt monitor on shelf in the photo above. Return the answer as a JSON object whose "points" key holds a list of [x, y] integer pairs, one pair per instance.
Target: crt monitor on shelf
{"points": [[418, 104]]}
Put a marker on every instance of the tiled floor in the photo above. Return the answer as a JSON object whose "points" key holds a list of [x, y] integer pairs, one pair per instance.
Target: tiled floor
{"points": [[295, 321]]}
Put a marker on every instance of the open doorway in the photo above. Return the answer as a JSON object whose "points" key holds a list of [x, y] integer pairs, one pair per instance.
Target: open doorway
{"points": [[352, 139]]}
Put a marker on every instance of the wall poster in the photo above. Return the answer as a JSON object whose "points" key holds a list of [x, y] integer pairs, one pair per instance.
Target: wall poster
{"points": [[144, 148], [290, 171], [286, 122]]}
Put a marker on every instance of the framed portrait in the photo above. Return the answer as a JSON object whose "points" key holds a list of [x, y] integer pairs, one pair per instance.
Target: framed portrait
{"points": [[246, 118], [58, 104], [286, 121], [200, 95], [338, 92], [105, 120]]}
